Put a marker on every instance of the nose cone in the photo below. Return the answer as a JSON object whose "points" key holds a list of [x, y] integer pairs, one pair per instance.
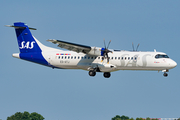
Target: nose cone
{"points": [[173, 64]]}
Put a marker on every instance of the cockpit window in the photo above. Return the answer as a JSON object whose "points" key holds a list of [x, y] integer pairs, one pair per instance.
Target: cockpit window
{"points": [[161, 56]]}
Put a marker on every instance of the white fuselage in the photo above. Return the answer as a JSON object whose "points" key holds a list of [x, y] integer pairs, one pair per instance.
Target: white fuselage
{"points": [[119, 60]]}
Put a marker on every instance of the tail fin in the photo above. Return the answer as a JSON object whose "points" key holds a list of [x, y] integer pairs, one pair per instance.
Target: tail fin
{"points": [[27, 43]]}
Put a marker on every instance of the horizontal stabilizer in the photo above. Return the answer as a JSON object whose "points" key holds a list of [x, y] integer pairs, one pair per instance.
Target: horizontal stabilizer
{"points": [[19, 27]]}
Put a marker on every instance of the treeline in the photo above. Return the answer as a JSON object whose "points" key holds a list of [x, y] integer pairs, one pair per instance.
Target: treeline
{"points": [[117, 117], [26, 116], [35, 116]]}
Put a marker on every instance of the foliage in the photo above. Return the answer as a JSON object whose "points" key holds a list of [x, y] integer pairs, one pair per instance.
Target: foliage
{"points": [[127, 118], [120, 117], [148, 118], [26, 116]]}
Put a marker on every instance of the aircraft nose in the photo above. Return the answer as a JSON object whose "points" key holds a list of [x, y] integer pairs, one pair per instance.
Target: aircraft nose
{"points": [[174, 64]]}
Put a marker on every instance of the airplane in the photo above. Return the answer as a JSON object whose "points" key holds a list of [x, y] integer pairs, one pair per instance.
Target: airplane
{"points": [[92, 59]]}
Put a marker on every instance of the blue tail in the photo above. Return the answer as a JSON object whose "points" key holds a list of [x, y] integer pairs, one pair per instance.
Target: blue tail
{"points": [[30, 48], [26, 41]]}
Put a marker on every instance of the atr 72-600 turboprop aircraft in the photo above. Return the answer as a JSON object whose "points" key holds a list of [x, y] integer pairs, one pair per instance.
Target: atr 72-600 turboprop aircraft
{"points": [[92, 59]]}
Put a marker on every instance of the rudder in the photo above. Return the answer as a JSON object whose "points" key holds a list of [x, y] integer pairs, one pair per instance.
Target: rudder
{"points": [[26, 41]]}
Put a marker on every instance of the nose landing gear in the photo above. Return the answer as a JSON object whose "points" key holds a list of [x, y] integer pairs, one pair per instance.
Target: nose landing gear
{"points": [[165, 74]]}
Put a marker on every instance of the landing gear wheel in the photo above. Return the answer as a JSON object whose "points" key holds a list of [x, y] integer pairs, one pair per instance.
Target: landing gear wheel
{"points": [[107, 74], [165, 74], [92, 73]]}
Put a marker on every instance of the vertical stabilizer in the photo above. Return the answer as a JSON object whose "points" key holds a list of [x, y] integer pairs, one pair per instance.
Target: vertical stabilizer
{"points": [[26, 41]]}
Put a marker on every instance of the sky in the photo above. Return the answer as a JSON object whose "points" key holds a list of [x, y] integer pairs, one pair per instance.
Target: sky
{"points": [[72, 94]]}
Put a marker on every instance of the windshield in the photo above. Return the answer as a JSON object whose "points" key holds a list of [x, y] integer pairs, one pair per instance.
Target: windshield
{"points": [[161, 56]]}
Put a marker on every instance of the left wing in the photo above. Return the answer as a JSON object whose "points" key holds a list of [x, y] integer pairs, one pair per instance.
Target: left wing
{"points": [[77, 47]]}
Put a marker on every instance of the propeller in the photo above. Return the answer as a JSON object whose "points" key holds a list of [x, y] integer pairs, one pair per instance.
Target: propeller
{"points": [[136, 47], [106, 51]]}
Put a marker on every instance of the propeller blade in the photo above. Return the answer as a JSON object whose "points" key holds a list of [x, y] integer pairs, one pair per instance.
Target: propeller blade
{"points": [[108, 44], [137, 47], [104, 44], [133, 46]]}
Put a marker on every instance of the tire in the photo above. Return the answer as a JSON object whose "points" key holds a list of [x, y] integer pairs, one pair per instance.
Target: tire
{"points": [[92, 73], [107, 74]]}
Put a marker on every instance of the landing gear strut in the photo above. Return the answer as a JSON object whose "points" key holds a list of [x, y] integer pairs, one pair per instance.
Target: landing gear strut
{"points": [[107, 74], [165, 74]]}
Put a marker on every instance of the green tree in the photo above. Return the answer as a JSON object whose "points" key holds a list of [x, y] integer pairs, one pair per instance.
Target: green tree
{"points": [[131, 119], [123, 117], [137, 118], [116, 118], [26, 116], [36, 116], [148, 118], [178, 119]]}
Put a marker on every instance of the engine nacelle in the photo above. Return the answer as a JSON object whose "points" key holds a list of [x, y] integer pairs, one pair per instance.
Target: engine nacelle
{"points": [[96, 51], [106, 67]]}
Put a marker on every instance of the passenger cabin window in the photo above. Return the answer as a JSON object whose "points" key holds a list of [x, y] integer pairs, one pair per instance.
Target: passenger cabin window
{"points": [[161, 56], [78, 57]]}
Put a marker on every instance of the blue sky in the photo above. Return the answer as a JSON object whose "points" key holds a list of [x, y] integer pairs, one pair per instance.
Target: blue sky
{"points": [[73, 94]]}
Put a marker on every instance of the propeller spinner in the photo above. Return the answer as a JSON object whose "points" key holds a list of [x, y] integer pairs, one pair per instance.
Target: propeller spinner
{"points": [[106, 51]]}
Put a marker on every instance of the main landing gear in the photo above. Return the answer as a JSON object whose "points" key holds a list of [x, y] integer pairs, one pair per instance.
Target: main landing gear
{"points": [[93, 73], [107, 74]]}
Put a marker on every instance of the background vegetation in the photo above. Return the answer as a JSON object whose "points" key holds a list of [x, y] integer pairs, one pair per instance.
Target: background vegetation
{"points": [[26, 116]]}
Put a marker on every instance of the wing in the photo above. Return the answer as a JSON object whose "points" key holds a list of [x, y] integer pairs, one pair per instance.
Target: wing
{"points": [[71, 46]]}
